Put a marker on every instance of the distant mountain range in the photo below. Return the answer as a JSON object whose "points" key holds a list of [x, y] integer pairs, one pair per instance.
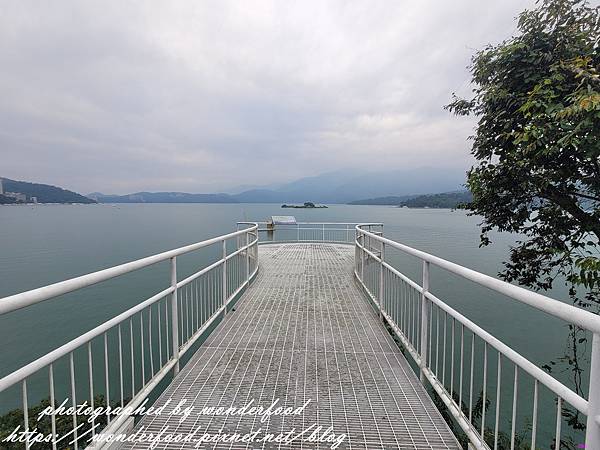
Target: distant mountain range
{"points": [[43, 193], [334, 187], [163, 197]]}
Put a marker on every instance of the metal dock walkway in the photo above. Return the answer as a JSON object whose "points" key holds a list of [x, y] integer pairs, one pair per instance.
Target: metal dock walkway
{"points": [[304, 332]]}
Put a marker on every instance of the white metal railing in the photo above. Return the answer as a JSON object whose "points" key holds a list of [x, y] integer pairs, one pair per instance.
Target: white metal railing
{"points": [[142, 345], [428, 327], [337, 232]]}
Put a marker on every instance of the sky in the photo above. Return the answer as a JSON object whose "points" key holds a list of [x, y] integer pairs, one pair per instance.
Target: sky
{"points": [[205, 96]]}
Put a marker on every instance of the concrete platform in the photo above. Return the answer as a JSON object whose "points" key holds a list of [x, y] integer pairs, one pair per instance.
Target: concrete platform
{"points": [[304, 332]]}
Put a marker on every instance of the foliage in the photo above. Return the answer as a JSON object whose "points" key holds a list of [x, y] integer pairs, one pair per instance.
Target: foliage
{"points": [[64, 424], [537, 146], [4, 200]]}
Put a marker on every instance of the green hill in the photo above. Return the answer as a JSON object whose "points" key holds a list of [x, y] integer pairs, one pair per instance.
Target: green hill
{"points": [[389, 200], [44, 193], [443, 200]]}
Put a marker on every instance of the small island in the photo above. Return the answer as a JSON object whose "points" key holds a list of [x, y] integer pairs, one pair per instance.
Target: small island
{"points": [[309, 205]]}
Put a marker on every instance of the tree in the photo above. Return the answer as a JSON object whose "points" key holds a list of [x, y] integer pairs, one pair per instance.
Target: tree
{"points": [[537, 145]]}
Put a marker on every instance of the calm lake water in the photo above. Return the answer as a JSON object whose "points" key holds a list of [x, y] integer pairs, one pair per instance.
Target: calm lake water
{"points": [[48, 243]]}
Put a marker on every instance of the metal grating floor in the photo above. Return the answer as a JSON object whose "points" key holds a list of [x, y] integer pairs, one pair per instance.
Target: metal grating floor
{"points": [[305, 331]]}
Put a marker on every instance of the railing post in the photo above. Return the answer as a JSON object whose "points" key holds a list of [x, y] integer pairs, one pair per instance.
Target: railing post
{"points": [[356, 252], [381, 257], [592, 431], [362, 258], [298, 232], [424, 319], [347, 233], [174, 315], [323, 233], [248, 257], [224, 276]]}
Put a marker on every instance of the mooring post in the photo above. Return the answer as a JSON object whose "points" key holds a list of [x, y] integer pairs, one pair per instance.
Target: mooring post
{"points": [[174, 316], [424, 319]]}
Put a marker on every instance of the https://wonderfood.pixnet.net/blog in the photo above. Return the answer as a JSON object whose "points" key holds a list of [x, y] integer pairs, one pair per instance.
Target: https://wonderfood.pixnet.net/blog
{"points": [[88, 430]]}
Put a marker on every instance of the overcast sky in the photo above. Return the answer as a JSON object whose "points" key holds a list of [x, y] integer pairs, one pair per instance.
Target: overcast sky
{"points": [[202, 96]]}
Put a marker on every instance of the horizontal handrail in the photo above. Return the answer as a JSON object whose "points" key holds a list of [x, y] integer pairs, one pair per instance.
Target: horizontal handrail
{"points": [[306, 232], [217, 263], [569, 313], [65, 349], [306, 223], [551, 383], [392, 269], [293, 227], [262, 230], [27, 298]]}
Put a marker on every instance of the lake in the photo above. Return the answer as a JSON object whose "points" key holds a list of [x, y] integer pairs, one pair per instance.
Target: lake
{"points": [[42, 244]]}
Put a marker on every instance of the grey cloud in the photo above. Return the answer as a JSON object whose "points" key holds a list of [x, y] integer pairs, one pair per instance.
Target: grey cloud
{"points": [[200, 96]]}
